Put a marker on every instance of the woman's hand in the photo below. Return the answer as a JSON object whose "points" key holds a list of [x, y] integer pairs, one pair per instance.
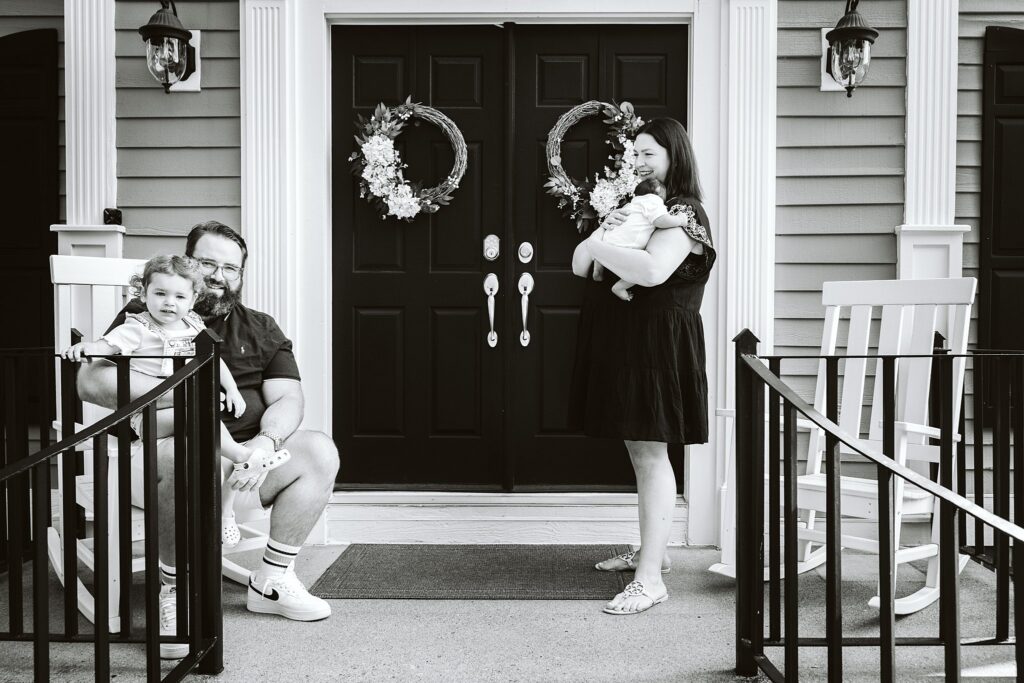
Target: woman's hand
{"points": [[615, 219]]}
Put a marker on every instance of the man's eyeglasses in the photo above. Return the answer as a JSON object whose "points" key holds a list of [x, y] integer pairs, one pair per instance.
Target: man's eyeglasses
{"points": [[208, 267]]}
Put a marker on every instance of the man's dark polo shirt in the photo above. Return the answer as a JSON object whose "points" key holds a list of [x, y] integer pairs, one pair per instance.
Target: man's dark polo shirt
{"points": [[254, 349]]}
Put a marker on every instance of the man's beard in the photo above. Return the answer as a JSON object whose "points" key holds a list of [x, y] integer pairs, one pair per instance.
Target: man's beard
{"points": [[212, 306]]}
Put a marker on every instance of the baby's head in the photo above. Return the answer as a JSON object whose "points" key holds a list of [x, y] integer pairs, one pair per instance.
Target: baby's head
{"points": [[650, 186], [169, 286]]}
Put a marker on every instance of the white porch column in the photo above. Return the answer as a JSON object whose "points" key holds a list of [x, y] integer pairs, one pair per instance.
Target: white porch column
{"points": [[268, 204], [748, 248], [929, 244], [89, 102]]}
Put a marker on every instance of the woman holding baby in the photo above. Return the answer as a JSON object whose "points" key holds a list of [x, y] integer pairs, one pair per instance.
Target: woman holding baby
{"points": [[640, 373]]}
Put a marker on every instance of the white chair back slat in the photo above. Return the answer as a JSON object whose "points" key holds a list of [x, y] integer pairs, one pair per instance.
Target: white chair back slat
{"points": [[829, 335], [960, 326], [890, 336], [916, 373], [854, 370]]}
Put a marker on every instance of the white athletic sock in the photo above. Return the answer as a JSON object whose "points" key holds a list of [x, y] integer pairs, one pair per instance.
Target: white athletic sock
{"points": [[277, 558]]}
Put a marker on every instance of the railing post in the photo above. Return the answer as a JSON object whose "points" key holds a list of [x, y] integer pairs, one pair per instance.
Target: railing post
{"points": [[211, 617], [833, 530], [1018, 509], [949, 548], [886, 528], [747, 575]]}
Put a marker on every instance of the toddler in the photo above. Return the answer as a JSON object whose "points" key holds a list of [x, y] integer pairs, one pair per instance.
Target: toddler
{"points": [[169, 286], [647, 206]]}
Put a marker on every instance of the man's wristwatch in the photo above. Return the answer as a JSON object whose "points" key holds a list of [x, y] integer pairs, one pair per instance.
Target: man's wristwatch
{"points": [[278, 441]]}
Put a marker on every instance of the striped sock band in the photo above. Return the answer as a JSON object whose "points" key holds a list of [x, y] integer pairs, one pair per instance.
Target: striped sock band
{"points": [[168, 574], [277, 558]]}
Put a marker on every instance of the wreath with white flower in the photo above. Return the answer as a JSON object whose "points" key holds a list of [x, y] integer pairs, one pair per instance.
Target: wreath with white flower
{"points": [[589, 201], [378, 164]]}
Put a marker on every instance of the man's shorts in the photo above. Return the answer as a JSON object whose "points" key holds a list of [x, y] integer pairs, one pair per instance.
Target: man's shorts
{"points": [[245, 501]]}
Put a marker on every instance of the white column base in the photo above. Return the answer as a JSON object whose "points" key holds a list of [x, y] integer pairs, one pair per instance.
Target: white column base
{"points": [[929, 251], [103, 241]]}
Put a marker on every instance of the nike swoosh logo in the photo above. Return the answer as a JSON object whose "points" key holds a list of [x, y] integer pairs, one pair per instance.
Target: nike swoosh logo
{"points": [[272, 595]]}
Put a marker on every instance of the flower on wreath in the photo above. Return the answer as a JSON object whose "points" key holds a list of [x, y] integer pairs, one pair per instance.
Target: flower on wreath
{"points": [[378, 165], [587, 201]]}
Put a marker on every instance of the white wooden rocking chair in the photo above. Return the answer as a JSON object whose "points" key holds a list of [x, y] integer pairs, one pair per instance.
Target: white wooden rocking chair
{"points": [[911, 312], [88, 293]]}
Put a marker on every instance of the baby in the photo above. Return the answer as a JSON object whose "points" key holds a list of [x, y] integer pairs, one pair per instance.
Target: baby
{"points": [[647, 206], [169, 286]]}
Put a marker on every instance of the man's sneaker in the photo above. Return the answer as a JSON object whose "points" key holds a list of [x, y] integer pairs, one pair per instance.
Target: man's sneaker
{"points": [[285, 595], [169, 624]]}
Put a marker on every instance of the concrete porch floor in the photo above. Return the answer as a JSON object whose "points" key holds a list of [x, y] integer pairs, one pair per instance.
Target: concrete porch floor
{"points": [[688, 638]]}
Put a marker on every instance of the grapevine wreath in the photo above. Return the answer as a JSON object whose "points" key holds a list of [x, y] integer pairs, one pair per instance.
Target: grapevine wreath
{"points": [[588, 201], [378, 164]]}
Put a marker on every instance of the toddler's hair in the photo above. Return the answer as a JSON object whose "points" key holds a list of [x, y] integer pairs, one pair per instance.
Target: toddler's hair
{"points": [[650, 186], [182, 266]]}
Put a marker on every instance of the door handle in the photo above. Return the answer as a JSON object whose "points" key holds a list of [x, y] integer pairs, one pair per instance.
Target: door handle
{"points": [[490, 289], [525, 287]]}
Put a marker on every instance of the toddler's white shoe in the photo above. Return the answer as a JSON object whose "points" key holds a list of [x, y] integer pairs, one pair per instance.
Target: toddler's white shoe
{"points": [[169, 624]]}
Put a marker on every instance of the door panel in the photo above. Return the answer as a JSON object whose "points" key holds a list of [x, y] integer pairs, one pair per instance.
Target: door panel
{"points": [[419, 392], [30, 192], [1002, 239], [556, 70], [422, 399]]}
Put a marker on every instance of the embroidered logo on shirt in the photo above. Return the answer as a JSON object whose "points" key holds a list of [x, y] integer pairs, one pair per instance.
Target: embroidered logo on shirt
{"points": [[241, 349]]}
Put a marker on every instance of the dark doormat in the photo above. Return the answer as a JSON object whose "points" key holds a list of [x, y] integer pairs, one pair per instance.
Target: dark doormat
{"points": [[471, 572]]}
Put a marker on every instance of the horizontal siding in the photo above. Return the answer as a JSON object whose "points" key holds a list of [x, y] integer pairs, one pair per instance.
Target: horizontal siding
{"points": [[839, 172], [28, 15], [179, 154]]}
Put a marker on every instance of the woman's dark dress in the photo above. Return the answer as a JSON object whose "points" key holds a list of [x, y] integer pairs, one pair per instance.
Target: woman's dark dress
{"points": [[640, 365]]}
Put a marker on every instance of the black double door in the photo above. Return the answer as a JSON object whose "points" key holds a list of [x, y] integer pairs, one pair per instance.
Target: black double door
{"points": [[421, 398]]}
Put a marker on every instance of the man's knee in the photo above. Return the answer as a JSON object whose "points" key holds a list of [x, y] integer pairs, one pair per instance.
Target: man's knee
{"points": [[325, 456]]}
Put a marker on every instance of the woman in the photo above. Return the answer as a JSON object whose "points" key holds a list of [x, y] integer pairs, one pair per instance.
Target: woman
{"points": [[640, 364]]}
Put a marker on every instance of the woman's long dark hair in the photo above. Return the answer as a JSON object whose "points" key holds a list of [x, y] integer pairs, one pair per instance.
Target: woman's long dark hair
{"points": [[681, 180]]}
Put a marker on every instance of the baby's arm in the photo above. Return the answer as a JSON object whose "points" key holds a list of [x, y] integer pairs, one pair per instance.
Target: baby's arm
{"points": [[668, 220], [233, 401], [79, 352]]}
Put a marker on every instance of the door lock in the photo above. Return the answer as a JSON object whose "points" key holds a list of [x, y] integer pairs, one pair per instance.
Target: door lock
{"points": [[492, 247]]}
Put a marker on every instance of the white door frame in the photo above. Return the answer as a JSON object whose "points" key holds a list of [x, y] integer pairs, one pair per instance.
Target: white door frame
{"points": [[286, 183]]}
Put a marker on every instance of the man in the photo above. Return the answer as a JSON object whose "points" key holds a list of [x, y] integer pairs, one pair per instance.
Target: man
{"points": [[260, 359]]}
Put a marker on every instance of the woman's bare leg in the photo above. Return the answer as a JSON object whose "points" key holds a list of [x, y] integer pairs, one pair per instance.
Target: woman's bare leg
{"points": [[656, 488]]}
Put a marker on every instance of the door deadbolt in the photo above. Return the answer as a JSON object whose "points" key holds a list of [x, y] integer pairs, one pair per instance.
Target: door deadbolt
{"points": [[492, 247]]}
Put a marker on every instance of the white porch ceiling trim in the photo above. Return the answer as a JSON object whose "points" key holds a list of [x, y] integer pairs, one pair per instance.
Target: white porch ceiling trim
{"points": [[90, 110]]}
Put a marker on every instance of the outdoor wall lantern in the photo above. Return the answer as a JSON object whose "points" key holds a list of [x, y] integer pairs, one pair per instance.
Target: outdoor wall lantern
{"points": [[169, 55], [849, 49]]}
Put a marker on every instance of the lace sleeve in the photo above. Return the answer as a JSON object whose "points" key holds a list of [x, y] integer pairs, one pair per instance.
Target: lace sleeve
{"points": [[695, 266]]}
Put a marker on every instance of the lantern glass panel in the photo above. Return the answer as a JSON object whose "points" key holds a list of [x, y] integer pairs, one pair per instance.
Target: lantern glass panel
{"points": [[166, 59], [850, 60]]}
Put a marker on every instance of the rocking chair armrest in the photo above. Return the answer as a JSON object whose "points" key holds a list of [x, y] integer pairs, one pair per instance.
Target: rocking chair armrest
{"points": [[924, 430]]}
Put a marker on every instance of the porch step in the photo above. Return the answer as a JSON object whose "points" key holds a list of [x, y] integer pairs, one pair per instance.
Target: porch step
{"points": [[425, 517]]}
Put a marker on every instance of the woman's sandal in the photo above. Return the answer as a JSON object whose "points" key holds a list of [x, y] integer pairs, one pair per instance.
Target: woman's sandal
{"points": [[636, 589], [628, 565], [230, 535]]}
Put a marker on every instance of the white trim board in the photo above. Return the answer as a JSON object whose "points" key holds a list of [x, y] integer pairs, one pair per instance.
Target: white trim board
{"points": [[415, 517], [302, 96]]}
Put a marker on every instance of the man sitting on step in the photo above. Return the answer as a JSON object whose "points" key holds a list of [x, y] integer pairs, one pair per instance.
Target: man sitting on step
{"points": [[260, 359]]}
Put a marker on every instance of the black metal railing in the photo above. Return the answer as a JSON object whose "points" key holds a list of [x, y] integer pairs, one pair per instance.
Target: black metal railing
{"points": [[1004, 413], [25, 507]]}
